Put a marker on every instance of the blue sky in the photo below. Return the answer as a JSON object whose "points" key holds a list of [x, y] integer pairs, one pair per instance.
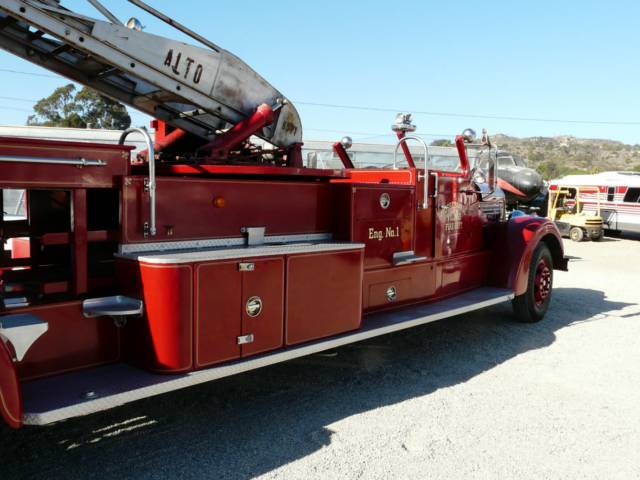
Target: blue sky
{"points": [[569, 60]]}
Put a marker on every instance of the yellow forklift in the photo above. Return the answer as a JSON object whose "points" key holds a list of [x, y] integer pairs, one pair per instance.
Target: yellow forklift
{"points": [[575, 209]]}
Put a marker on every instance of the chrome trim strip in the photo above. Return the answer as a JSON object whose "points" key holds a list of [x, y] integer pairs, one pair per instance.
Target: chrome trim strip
{"points": [[82, 162], [130, 248], [214, 254]]}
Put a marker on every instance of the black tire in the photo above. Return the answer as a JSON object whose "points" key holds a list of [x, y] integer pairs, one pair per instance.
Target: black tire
{"points": [[533, 304], [576, 234]]}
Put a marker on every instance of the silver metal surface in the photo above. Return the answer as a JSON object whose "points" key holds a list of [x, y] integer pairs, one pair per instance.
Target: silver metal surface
{"points": [[15, 302], [155, 247], [253, 306], [22, 330], [116, 306], [56, 398], [200, 90], [83, 162], [246, 266], [427, 164], [254, 235], [244, 339], [346, 142], [151, 184], [205, 255], [407, 257]]}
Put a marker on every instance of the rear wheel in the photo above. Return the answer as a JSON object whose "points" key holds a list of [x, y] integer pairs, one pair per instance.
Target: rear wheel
{"points": [[532, 305], [576, 234]]}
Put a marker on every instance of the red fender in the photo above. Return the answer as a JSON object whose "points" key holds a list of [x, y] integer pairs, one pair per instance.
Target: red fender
{"points": [[519, 240], [10, 394]]}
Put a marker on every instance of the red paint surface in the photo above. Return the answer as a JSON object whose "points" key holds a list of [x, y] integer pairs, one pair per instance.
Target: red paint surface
{"points": [[241, 131], [506, 186], [324, 295], [20, 247], [217, 318], [31, 175], [186, 209], [462, 153], [10, 394], [71, 342], [512, 246], [398, 177], [249, 170], [267, 283], [359, 217], [343, 155], [412, 283], [161, 340]]}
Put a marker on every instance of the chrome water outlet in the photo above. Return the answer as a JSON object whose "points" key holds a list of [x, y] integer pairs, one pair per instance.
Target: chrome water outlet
{"points": [[385, 200], [254, 306], [392, 293]]}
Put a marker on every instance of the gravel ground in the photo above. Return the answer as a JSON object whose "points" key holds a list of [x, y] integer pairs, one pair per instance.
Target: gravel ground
{"points": [[475, 396]]}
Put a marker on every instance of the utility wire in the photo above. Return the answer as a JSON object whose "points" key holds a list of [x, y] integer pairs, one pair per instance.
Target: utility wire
{"points": [[465, 115], [393, 110]]}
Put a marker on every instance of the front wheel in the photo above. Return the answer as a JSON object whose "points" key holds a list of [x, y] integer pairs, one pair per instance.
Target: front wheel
{"points": [[532, 305]]}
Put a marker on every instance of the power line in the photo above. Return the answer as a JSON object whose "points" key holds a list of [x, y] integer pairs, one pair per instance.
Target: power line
{"points": [[17, 99], [396, 110], [34, 74], [466, 115], [373, 134], [16, 109]]}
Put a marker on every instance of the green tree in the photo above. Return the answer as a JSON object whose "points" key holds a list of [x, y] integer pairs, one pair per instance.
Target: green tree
{"points": [[67, 107]]}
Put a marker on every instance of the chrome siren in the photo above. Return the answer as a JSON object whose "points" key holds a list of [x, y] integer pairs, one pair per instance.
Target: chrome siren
{"points": [[403, 123]]}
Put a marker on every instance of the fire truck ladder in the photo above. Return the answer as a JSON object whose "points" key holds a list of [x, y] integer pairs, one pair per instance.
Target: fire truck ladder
{"points": [[202, 90]]}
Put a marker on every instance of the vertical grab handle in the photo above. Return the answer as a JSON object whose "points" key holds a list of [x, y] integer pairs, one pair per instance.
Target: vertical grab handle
{"points": [[427, 163], [152, 172]]}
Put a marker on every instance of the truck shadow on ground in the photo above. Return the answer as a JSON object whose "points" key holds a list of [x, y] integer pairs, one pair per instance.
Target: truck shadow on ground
{"points": [[250, 424]]}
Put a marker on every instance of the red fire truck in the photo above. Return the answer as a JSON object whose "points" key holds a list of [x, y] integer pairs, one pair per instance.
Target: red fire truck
{"points": [[209, 254]]}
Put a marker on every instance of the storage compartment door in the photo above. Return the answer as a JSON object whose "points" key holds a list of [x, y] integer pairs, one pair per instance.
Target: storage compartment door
{"points": [[324, 294], [217, 321], [262, 305]]}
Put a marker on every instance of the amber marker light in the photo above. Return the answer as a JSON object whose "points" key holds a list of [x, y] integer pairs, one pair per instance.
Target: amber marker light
{"points": [[219, 202]]}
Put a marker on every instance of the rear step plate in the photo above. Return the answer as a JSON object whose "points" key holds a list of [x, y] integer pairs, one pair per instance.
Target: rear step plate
{"points": [[92, 390]]}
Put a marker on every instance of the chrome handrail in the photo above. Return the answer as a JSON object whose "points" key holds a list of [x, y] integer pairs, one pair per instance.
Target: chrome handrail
{"points": [[427, 161], [152, 173]]}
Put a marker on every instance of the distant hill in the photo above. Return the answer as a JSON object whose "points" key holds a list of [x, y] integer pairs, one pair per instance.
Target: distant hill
{"points": [[557, 156]]}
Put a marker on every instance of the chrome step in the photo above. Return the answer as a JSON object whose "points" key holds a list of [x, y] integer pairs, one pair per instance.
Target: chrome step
{"points": [[88, 391]]}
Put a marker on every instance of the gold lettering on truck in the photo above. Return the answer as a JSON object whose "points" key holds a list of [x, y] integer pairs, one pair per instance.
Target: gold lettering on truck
{"points": [[386, 232]]}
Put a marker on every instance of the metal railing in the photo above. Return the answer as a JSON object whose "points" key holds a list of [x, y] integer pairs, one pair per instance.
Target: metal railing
{"points": [[427, 163], [151, 182]]}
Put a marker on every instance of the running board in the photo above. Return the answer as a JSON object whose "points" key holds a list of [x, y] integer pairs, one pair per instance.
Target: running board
{"points": [[88, 391]]}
